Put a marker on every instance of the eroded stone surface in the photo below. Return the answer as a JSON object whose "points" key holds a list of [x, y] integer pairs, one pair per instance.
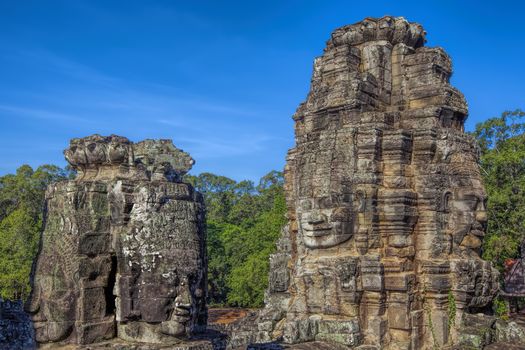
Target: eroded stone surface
{"points": [[123, 251], [16, 331], [385, 201]]}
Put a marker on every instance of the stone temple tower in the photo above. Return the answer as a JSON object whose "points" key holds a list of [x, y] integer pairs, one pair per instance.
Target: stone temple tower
{"points": [[385, 200], [123, 252]]}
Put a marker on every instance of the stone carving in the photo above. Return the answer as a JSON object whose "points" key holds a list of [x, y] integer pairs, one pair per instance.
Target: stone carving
{"points": [[123, 250], [385, 201]]}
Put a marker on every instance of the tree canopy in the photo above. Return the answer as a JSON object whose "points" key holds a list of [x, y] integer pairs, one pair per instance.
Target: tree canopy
{"points": [[243, 224], [21, 208], [502, 145], [244, 219]]}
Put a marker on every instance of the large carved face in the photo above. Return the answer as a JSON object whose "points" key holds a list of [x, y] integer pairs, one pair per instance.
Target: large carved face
{"points": [[468, 216], [188, 301], [326, 221], [52, 302], [165, 262], [324, 172]]}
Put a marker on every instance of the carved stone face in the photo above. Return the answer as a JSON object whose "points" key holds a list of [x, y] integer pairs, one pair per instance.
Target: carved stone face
{"points": [[163, 279], [326, 221], [97, 150], [184, 309], [52, 305], [279, 276], [468, 217]]}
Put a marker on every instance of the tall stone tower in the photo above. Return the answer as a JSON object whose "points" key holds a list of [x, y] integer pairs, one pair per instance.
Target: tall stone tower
{"points": [[123, 251], [385, 200]]}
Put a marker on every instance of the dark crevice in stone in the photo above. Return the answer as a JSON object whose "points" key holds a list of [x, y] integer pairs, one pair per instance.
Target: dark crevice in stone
{"points": [[110, 297]]}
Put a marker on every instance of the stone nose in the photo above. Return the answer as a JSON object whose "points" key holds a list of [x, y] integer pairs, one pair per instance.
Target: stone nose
{"points": [[183, 299], [481, 216]]}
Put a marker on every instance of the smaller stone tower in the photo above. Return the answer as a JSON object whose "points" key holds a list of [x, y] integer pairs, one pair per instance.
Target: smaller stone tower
{"points": [[123, 250]]}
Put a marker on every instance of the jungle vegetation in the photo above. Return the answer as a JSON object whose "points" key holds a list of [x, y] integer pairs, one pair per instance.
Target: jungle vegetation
{"points": [[244, 219]]}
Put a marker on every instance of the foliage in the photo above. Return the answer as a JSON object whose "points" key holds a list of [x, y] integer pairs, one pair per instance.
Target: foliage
{"points": [[21, 202], [243, 224], [501, 308], [502, 144], [452, 310]]}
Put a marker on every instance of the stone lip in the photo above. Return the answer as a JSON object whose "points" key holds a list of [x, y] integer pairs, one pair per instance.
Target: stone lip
{"points": [[99, 157]]}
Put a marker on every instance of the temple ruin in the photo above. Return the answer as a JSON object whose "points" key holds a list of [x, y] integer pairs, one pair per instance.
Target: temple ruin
{"points": [[123, 251], [386, 212], [385, 201]]}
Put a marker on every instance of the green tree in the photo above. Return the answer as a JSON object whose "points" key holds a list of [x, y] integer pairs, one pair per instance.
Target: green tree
{"points": [[19, 232], [219, 194], [243, 224], [249, 279], [502, 144], [220, 246], [21, 210]]}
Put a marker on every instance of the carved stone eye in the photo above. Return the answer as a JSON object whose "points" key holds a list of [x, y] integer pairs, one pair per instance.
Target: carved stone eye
{"points": [[472, 201], [340, 215]]}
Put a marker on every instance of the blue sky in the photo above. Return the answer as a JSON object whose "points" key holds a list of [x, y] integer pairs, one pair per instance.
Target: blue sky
{"points": [[220, 78]]}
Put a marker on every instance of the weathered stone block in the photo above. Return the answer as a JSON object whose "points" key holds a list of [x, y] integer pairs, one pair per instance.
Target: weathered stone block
{"points": [[339, 338], [94, 244], [338, 326], [93, 304], [93, 332], [398, 317]]}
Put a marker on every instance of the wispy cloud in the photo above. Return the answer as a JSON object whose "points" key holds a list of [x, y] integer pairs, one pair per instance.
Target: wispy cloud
{"points": [[35, 113], [171, 122], [62, 65], [206, 148], [80, 98], [81, 88]]}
